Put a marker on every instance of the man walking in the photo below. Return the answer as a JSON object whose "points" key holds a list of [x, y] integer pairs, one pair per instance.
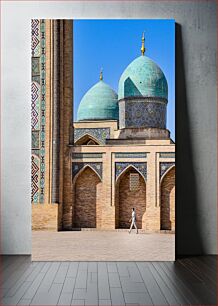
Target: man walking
{"points": [[133, 219]]}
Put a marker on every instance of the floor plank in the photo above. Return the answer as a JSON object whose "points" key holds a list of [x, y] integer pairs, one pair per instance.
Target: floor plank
{"points": [[188, 281]]}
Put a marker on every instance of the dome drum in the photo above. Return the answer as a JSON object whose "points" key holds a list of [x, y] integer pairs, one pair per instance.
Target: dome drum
{"points": [[142, 113]]}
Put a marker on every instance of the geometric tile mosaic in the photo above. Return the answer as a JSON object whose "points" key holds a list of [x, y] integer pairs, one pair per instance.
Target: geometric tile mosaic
{"points": [[35, 139], [97, 167], [35, 179], [38, 108], [35, 106], [86, 155], [35, 66], [43, 108], [167, 155], [141, 167], [130, 155], [164, 167], [35, 37], [101, 134], [142, 113]]}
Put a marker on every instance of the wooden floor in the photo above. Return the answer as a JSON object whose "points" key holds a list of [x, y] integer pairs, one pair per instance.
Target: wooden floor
{"points": [[188, 281]]}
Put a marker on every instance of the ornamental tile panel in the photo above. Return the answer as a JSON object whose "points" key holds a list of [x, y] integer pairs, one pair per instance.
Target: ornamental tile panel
{"points": [[43, 109], [86, 155], [35, 139], [35, 106], [35, 165], [101, 134], [167, 155], [138, 113], [141, 167], [35, 35], [76, 167], [35, 66], [130, 155], [164, 167], [38, 104]]}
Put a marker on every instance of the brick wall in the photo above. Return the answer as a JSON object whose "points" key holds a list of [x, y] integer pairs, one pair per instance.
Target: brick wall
{"points": [[87, 209], [168, 201], [127, 199], [44, 216]]}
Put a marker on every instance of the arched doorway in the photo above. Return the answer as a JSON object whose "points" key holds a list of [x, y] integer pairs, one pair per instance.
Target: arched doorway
{"points": [[168, 200], [86, 195], [130, 192], [87, 140]]}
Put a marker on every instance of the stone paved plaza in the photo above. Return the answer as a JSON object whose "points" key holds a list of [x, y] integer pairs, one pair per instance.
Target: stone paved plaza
{"points": [[102, 245]]}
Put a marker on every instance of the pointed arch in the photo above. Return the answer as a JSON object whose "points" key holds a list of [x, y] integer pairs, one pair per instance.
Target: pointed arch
{"points": [[83, 140], [83, 169], [126, 198], [126, 169], [167, 199], [165, 173], [87, 188]]}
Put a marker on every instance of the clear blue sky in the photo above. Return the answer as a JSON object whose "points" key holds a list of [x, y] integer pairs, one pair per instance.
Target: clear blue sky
{"points": [[113, 44]]}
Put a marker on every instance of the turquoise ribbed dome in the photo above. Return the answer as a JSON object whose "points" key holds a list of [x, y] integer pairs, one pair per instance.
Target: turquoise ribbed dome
{"points": [[99, 103], [143, 78]]}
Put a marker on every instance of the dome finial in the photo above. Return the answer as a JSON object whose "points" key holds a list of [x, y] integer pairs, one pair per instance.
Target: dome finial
{"points": [[101, 74], [143, 44]]}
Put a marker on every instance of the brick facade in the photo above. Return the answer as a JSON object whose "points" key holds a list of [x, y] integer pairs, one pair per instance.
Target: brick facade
{"points": [[44, 216]]}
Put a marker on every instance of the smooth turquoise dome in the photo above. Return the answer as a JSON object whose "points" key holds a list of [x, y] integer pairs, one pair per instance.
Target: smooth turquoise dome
{"points": [[99, 103], [143, 78]]}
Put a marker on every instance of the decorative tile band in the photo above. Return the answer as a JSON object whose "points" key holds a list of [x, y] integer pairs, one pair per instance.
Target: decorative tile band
{"points": [[35, 35], [164, 167], [76, 167], [141, 113], [36, 152], [38, 104], [167, 155], [35, 139], [86, 155], [43, 109], [130, 155], [141, 167], [35, 168], [101, 134]]}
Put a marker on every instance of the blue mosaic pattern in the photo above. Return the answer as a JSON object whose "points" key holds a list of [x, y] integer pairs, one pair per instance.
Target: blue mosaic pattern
{"points": [[130, 155], [86, 155], [142, 113], [164, 167], [167, 155], [101, 134], [35, 139], [141, 167], [76, 167], [35, 66], [35, 152]]}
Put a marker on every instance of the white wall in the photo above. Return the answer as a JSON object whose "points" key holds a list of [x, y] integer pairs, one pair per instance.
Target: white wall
{"points": [[196, 113]]}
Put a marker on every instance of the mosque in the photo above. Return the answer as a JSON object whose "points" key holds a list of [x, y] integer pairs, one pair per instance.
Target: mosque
{"points": [[116, 156]]}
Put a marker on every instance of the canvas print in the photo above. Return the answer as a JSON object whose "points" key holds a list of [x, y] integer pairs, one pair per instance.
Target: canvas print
{"points": [[103, 139]]}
